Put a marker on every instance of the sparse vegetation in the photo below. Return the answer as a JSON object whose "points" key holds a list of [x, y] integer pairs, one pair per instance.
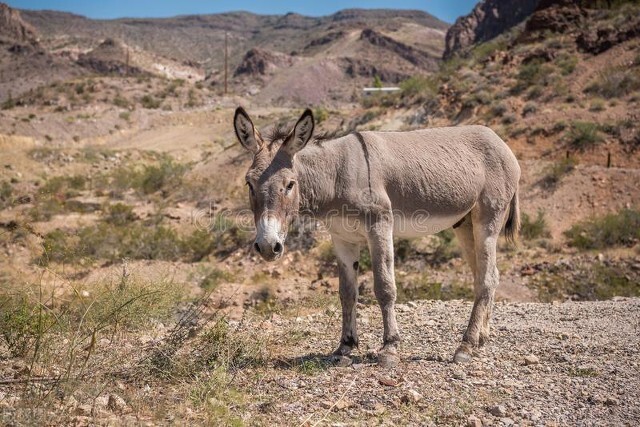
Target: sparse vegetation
{"points": [[148, 101], [554, 173], [616, 229], [583, 135], [616, 82], [534, 228]]}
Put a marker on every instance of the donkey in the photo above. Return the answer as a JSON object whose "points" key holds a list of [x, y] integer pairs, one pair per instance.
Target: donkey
{"points": [[368, 187]]}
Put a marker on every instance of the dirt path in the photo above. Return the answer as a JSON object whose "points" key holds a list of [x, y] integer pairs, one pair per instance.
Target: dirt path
{"points": [[547, 364]]}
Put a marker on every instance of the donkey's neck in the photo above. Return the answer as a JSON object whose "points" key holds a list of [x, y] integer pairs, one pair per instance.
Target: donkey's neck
{"points": [[316, 171]]}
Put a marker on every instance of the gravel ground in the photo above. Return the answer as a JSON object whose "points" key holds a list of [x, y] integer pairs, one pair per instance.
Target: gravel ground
{"points": [[572, 363]]}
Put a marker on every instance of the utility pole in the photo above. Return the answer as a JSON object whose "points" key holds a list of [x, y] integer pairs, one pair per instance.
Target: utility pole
{"points": [[226, 61]]}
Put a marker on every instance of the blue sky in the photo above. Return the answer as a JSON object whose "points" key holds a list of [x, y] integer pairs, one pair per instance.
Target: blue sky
{"points": [[447, 10]]}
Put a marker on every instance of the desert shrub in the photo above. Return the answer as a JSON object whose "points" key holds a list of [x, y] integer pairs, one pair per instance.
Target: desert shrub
{"points": [[198, 245], [616, 229], [529, 108], [21, 323], [586, 281], [554, 173], [423, 287], [320, 114], [583, 135], [215, 277], [615, 82], [32, 326], [558, 127], [498, 110], [166, 175], [6, 194], [509, 119], [567, 63], [419, 88], [534, 92], [485, 50], [530, 74], [532, 229], [444, 248], [228, 234], [597, 105], [120, 101], [112, 241], [119, 214], [148, 101]]}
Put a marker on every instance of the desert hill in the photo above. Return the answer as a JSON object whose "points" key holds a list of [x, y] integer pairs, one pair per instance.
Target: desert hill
{"points": [[348, 44], [128, 288]]}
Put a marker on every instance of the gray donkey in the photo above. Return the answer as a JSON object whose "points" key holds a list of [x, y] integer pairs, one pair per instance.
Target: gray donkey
{"points": [[368, 187]]}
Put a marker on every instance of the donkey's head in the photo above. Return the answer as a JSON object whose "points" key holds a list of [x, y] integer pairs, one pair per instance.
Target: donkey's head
{"points": [[273, 188]]}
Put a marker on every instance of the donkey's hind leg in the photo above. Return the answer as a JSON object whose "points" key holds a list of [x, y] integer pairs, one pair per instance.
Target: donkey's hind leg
{"points": [[487, 224], [464, 233]]}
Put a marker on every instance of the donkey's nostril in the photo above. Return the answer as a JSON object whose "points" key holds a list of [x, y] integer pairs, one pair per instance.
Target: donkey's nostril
{"points": [[256, 246], [277, 248]]}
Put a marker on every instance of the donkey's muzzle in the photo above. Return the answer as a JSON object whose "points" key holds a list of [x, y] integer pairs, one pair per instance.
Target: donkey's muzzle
{"points": [[268, 250]]}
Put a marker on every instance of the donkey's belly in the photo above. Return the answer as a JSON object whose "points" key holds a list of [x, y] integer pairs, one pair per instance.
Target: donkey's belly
{"points": [[423, 224]]}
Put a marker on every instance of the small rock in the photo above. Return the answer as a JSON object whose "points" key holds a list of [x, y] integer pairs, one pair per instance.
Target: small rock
{"points": [[326, 404], [611, 401], [507, 421], [116, 403], [459, 375], [391, 382], [498, 411], [474, 421], [531, 360], [83, 410], [412, 304], [411, 396], [341, 404]]}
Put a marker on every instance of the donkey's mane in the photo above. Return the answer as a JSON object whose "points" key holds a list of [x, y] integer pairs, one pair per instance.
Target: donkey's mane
{"points": [[281, 131]]}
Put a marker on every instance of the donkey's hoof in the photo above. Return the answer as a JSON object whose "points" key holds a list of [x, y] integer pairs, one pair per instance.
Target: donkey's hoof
{"points": [[463, 354], [388, 360], [340, 360]]}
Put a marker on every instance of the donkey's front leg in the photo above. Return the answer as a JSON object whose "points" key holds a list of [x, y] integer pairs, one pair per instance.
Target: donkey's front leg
{"points": [[347, 255], [381, 248]]}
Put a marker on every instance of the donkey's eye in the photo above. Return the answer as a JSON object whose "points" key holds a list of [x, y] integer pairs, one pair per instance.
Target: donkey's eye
{"points": [[290, 185]]}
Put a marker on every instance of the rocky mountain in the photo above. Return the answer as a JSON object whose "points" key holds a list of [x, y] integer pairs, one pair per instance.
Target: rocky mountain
{"points": [[13, 28], [200, 38], [487, 20], [330, 56]]}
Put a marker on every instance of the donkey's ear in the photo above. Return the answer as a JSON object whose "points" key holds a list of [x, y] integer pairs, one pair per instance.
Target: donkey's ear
{"points": [[301, 133], [246, 132]]}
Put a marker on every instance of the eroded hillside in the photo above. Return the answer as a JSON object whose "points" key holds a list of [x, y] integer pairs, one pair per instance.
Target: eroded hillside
{"points": [[126, 237]]}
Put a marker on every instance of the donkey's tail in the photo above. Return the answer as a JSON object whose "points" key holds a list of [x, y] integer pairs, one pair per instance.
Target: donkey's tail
{"points": [[512, 226]]}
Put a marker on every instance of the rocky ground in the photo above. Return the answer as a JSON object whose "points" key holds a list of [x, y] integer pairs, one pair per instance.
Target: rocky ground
{"points": [[547, 364]]}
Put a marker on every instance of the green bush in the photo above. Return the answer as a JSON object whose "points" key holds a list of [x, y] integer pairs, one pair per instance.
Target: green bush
{"points": [[617, 229], [532, 73], [6, 194], [419, 88], [150, 102], [615, 82], [534, 228], [554, 173], [120, 214], [567, 63], [583, 135], [423, 287]]}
